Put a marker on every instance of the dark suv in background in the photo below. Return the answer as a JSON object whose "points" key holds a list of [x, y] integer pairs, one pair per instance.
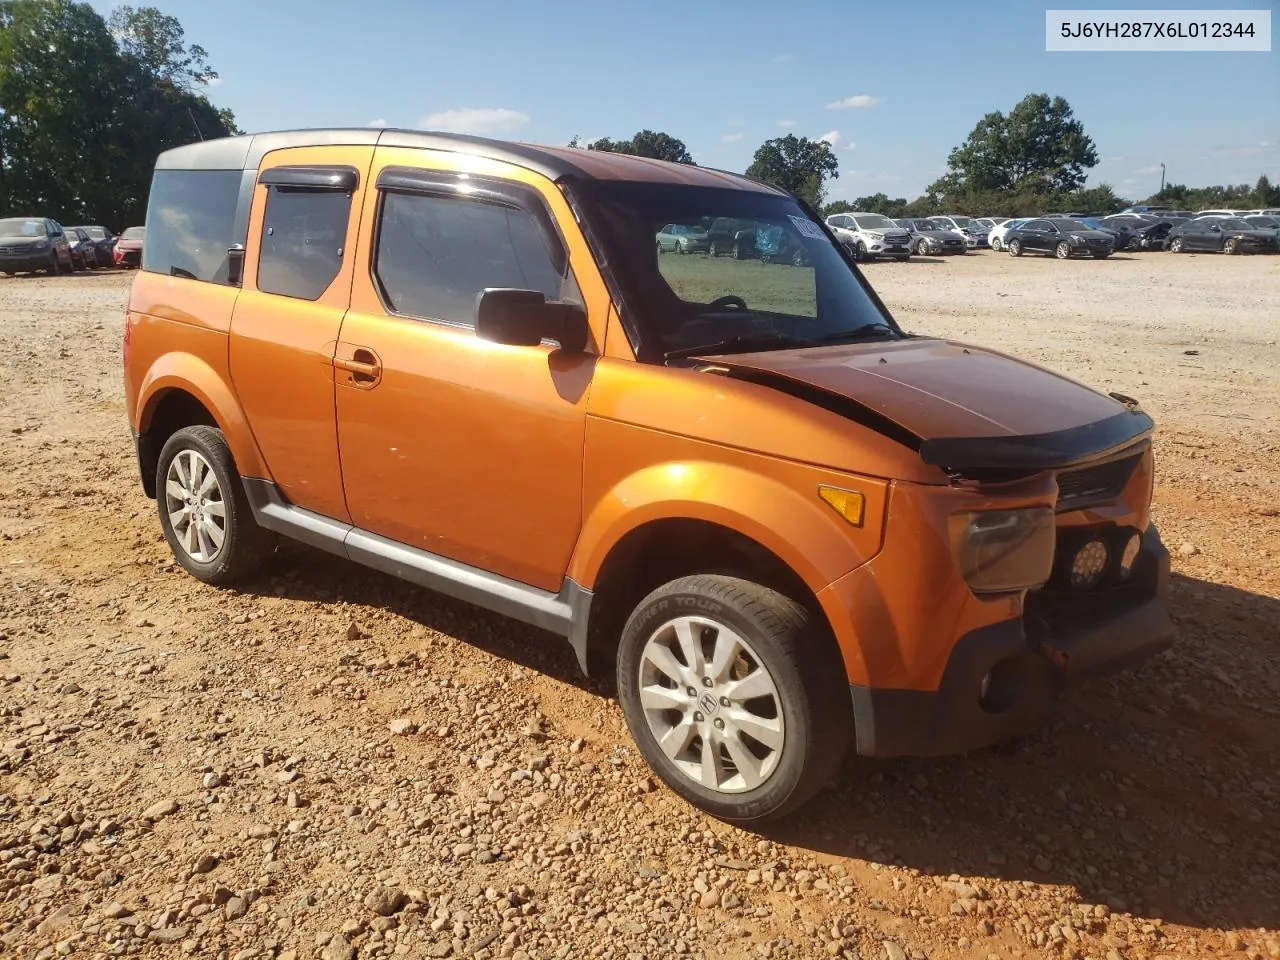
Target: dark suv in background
{"points": [[28, 244]]}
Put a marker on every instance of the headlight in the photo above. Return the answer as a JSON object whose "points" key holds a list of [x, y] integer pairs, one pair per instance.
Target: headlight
{"points": [[1004, 550], [1076, 240], [876, 236], [42, 244]]}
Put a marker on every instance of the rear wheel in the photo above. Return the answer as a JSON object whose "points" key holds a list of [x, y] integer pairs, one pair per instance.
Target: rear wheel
{"points": [[735, 697], [1175, 245], [1015, 248], [203, 510]]}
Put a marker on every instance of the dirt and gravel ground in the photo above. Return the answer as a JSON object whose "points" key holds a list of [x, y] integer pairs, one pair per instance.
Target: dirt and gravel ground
{"points": [[331, 763]]}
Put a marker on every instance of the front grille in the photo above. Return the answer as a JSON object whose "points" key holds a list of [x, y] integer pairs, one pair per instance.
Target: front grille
{"points": [[1093, 485], [13, 249]]}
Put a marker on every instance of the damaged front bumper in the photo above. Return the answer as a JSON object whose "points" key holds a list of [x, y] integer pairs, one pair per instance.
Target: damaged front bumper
{"points": [[1001, 679]]}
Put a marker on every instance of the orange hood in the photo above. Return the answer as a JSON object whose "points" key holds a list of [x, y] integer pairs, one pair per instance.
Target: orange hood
{"points": [[959, 405]]}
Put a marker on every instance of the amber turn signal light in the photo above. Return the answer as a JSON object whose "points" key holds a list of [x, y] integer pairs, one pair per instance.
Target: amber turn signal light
{"points": [[850, 504]]}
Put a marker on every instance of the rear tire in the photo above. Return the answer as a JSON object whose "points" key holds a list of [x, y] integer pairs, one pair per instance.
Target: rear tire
{"points": [[1175, 245], [694, 643], [203, 509]]}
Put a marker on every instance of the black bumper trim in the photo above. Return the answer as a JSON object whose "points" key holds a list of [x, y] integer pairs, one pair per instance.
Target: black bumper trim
{"points": [[1034, 661]]}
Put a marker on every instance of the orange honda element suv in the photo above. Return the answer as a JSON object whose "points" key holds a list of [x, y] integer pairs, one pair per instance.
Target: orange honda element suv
{"points": [[786, 525]]}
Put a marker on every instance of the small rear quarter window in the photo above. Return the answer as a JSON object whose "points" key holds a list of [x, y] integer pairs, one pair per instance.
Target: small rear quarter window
{"points": [[190, 223]]}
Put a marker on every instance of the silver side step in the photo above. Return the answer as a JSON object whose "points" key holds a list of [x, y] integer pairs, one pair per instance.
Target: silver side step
{"points": [[564, 613]]}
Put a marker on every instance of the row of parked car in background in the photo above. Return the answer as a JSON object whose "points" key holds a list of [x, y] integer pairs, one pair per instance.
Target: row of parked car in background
{"points": [[30, 244], [871, 236]]}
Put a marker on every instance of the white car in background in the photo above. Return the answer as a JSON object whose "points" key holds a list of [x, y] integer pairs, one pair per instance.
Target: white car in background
{"points": [[996, 237], [962, 225], [871, 235]]}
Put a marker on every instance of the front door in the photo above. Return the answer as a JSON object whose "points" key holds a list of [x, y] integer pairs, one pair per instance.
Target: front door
{"points": [[452, 444], [296, 284]]}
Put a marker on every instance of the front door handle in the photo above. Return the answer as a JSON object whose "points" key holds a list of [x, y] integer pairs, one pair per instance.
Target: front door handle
{"points": [[362, 366]]}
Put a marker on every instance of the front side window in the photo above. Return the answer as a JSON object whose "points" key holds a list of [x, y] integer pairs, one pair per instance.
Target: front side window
{"points": [[771, 279], [303, 234], [435, 254], [190, 218]]}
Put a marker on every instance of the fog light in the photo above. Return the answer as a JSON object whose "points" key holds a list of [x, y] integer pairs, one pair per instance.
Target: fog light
{"points": [[1130, 556], [1089, 565]]}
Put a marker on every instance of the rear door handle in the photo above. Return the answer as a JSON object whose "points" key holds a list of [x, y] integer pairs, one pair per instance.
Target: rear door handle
{"points": [[363, 368]]}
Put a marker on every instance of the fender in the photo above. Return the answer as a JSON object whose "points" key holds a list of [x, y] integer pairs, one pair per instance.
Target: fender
{"points": [[189, 373], [804, 533]]}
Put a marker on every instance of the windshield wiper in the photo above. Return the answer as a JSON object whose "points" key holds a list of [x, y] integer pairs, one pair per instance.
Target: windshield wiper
{"points": [[742, 343], [857, 333]]}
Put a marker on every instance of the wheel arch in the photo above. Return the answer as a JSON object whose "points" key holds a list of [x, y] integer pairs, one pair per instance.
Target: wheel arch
{"points": [[674, 520], [182, 390]]}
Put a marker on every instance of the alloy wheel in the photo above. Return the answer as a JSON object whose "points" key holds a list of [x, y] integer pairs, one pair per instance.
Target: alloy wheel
{"points": [[195, 504], [711, 705], [1062, 251]]}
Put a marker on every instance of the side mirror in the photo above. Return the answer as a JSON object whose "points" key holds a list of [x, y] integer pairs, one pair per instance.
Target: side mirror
{"points": [[524, 318]]}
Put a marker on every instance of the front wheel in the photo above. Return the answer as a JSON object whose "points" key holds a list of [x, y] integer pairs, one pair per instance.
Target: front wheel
{"points": [[1015, 248], [1231, 246], [204, 513], [995, 244], [1063, 250], [735, 697], [1175, 245], [860, 252]]}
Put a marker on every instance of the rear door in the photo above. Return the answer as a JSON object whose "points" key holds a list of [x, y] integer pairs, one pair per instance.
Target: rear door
{"points": [[296, 287]]}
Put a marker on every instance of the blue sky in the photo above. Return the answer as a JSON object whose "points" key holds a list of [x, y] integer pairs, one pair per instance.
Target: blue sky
{"points": [[894, 85]]}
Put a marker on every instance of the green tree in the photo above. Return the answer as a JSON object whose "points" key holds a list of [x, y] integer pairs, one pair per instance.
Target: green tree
{"points": [[157, 43], [838, 206], [81, 121], [1038, 147], [796, 164], [1264, 194], [645, 143], [880, 203]]}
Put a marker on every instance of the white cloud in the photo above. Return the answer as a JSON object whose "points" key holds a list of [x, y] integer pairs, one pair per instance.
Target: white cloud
{"points": [[380, 122], [474, 120], [832, 137], [733, 137], [786, 124], [853, 103], [851, 146]]}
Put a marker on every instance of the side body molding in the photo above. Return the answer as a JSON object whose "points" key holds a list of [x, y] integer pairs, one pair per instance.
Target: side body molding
{"points": [[563, 613]]}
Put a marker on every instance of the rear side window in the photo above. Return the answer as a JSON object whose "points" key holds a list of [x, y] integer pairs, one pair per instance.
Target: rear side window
{"points": [[190, 222], [303, 233], [436, 253]]}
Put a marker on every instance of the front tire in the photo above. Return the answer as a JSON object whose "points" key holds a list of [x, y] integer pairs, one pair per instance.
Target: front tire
{"points": [[995, 244], [1015, 248], [1063, 250], [736, 698], [203, 509], [1176, 245], [1231, 246]]}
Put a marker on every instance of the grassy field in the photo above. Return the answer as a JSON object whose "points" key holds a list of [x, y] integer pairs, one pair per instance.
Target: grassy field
{"points": [[773, 287]]}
